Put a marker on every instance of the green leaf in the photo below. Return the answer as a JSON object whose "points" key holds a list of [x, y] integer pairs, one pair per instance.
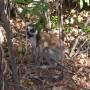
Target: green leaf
{"points": [[87, 30], [40, 25], [23, 1], [87, 1], [25, 11], [81, 4], [81, 25], [54, 20], [37, 8], [67, 29]]}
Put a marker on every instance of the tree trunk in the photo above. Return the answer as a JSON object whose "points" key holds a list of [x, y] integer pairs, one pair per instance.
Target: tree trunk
{"points": [[4, 20]]}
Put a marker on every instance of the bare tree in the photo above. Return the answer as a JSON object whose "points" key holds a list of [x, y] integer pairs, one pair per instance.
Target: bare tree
{"points": [[4, 21]]}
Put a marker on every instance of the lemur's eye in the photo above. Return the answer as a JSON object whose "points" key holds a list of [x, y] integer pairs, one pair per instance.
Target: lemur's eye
{"points": [[32, 31]]}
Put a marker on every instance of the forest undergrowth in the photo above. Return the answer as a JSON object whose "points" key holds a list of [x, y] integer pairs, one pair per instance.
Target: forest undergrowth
{"points": [[71, 72]]}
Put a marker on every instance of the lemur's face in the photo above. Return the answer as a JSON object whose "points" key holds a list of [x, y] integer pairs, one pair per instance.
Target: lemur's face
{"points": [[31, 31]]}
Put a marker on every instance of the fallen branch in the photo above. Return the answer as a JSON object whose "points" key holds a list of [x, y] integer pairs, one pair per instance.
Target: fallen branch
{"points": [[74, 47]]}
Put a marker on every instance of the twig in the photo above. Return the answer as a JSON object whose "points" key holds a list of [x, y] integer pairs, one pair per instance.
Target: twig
{"points": [[80, 47], [3, 61], [74, 46], [3, 70]]}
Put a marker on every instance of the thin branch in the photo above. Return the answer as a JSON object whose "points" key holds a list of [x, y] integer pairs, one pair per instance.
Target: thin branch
{"points": [[74, 47]]}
